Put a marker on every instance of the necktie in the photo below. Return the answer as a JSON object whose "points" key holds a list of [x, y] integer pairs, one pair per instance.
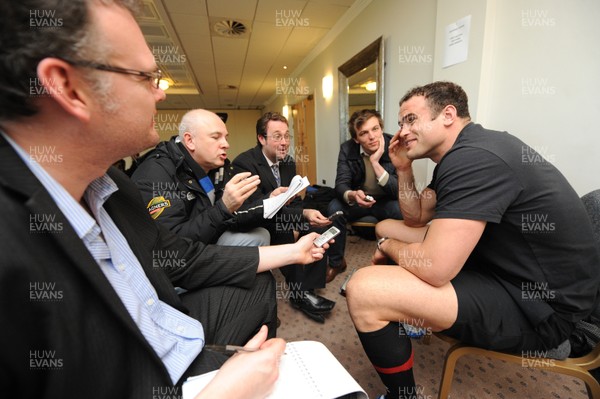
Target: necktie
{"points": [[275, 168]]}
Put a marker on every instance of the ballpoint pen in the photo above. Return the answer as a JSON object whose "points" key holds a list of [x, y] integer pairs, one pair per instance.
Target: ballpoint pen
{"points": [[230, 349]]}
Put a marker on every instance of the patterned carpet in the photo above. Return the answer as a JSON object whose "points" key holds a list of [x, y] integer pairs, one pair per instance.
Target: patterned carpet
{"points": [[474, 378]]}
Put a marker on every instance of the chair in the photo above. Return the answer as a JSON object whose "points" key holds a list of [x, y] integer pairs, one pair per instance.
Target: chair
{"points": [[365, 221], [576, 367]]}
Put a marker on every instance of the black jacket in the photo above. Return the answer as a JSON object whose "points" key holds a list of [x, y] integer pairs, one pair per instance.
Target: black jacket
{"points": [[168, 179], [254, 161], [87, 332], [351, 169]]}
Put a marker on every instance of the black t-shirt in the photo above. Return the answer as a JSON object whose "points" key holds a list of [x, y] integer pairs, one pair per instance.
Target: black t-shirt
{"points": [[538, 239]]}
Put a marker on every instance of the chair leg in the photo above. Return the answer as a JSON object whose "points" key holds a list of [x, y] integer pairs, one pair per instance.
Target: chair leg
{"points": [[593, 388], [452, 356]]}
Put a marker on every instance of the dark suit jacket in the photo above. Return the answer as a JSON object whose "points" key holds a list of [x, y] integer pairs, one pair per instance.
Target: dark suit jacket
{"points": [[80, 326], [351, 169], [254, 161]]}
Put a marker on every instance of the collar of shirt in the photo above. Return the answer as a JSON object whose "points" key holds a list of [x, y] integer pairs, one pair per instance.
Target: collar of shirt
{"points": [[269, 162]]}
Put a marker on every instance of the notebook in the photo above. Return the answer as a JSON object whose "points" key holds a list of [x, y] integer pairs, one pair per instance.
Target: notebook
{"points": [[273, 205], [308, 370]]}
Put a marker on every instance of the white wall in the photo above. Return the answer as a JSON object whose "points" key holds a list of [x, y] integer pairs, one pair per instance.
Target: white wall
{"points": [[533, 70], [406, 23]]}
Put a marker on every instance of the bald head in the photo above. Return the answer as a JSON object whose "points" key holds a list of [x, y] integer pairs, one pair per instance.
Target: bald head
{"points": [[204, 135], [200, 120]]}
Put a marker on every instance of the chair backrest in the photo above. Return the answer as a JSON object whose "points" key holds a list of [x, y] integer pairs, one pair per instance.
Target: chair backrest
{"points": [[591, 201]]}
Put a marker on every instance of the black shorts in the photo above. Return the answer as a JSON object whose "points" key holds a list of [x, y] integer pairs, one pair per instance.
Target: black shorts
{"points": [[489, 317]]}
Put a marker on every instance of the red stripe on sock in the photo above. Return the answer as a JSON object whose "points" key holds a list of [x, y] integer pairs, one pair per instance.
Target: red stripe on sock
{"points": [[398, 369]]}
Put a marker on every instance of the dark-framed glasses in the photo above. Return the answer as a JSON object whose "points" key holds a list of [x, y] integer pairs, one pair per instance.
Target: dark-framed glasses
{"points": [[278, 137], [153, 77]]}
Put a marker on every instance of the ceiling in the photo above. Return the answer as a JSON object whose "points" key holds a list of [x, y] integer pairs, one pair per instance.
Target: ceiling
{"points": [[234, 54]]}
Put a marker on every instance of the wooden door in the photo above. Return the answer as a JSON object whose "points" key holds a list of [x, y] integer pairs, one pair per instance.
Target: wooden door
{"points": [[305, 150]]}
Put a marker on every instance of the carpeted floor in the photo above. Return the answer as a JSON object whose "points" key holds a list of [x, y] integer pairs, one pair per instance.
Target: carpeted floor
{"points": [[474, 378]]}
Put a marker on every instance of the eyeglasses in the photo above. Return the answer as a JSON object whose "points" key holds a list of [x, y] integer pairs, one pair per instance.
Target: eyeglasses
{"points": [[154, 77], [278, 137], [410, 120]]}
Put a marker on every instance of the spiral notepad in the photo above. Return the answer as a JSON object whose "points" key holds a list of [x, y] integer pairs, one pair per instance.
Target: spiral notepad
{"points": [[307, 370]]}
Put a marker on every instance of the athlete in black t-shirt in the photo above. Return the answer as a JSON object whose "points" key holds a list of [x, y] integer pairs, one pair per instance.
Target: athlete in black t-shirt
{"points": [[498, 251]]}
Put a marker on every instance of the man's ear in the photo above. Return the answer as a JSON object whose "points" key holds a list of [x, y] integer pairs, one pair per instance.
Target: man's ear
{"points": [[59, 80], [261, 140], [449, 114], [188, 141]]}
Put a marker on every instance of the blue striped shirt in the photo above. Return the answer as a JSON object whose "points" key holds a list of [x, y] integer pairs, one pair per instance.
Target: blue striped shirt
{"points": [[175, 337]]}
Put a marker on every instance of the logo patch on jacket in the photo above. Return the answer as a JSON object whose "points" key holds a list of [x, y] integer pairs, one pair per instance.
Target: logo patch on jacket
{"points": [[157, 205]]}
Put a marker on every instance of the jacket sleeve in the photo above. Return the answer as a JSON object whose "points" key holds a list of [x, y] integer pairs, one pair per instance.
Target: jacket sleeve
{"points": [[391, 187], [178, 204], [343, 177], [243, 163], [188, 264]]}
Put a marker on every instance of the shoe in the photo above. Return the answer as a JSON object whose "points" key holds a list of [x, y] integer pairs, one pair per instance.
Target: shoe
{"points": [[311, 302], [334, 271], [318, 317]]}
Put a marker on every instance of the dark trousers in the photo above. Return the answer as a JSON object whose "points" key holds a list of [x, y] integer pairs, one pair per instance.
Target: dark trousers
{"points": [[231, 315], [297, 277], [382, 209]]}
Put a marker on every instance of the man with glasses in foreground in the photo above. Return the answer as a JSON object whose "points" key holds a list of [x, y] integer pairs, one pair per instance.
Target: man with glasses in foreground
{"points": [[498, 251], [87, 307], [270, 160]]}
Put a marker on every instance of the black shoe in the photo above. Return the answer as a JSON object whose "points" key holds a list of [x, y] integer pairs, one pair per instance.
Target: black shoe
{"points": [[310, 302], [318, 317]]}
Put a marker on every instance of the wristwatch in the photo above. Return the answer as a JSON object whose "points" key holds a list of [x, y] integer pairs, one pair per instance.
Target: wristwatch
{"points": [[382, 239]]}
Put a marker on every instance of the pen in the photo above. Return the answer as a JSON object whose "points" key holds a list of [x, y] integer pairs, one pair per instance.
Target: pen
{"points": [[230, 349]]}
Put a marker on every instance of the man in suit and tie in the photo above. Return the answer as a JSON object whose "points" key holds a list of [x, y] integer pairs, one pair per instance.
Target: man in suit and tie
{"points": [[270, 160], [87, 304]]}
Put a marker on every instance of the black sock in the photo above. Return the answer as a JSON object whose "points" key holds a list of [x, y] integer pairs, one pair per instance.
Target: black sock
{"points": [[390, 352]]}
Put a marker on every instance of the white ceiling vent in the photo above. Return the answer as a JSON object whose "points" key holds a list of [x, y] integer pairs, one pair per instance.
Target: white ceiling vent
{"points": [[230, 28]]}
